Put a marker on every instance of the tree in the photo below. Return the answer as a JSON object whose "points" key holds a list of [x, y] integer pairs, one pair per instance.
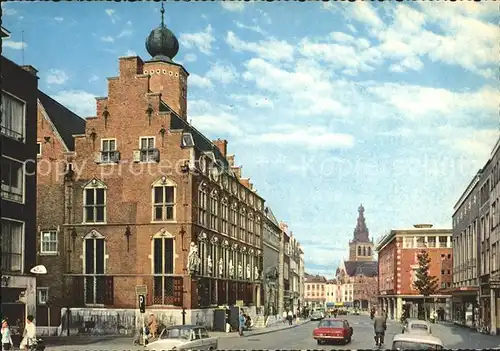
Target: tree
{"points": [[425, 283]]}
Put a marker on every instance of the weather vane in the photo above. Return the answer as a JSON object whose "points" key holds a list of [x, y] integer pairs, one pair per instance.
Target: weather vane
{"points": [[162, 14]]}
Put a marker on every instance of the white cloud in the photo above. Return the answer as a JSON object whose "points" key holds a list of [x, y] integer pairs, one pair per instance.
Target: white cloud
{"points": [[112, 15], [16, 45], [364, 12], [57, 77], [124, 33], [58, 19], [276, 50], [200, 40], [7, 11], [190, 57], [255, 29], [108, 39], [224, 73], [93, 78], [256, 101], [233, 6], [129, 23], [81, 102], [407, 64], [130, 53], [214, 120], [199, 81]]}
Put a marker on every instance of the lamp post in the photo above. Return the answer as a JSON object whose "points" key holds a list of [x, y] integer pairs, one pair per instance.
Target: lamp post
{"points": [[37, 270]]}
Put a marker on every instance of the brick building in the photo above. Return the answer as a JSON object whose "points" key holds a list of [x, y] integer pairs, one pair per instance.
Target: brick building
{"points": [[397, 264], [476, 242], [144, 202], [18, 191], [314, 291]]}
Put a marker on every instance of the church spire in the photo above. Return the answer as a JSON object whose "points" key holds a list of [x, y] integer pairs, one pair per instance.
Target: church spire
{"points": [[361, 233]]}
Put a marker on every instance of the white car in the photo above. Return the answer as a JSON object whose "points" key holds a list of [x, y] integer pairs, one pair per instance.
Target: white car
{"points": [[415, 326], [184, 337], [414, 341]]}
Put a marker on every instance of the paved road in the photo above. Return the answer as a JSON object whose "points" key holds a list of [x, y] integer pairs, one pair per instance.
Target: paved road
{"points": [[300, 337]]}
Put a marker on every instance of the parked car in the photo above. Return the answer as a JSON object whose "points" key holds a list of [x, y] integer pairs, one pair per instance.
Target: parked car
{"points": [[332, 329], [355, 312], [317, 316], [412, 341], [415, 326], [184, 337]]}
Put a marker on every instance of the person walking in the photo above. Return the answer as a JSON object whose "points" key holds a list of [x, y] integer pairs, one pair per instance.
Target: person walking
{"points": [[29, 334], [7, 343], [242, 321], [379, 327]]}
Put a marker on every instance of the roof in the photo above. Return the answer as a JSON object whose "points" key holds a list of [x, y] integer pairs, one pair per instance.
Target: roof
{"points": [[309, 278], [365, 268], [65, 121], [270, 215], [5, 33]]}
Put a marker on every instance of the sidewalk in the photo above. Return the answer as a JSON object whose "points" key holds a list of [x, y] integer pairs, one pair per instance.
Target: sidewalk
{"points": [[260, 331]]}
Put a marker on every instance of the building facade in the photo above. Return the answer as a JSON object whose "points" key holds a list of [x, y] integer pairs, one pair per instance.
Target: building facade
{"points": [[315, 291], [271, 243], [397, 265], [145, 185], [476, 239], [18, 193]]}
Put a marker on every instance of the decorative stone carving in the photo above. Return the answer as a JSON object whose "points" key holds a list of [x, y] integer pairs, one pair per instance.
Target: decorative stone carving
{"points": [[221, 267], [193, 259], [231, 268], [209, 264], [225, 243], [214, 240], [240, 271], [249, 271], [256, 275], [203, 236]]}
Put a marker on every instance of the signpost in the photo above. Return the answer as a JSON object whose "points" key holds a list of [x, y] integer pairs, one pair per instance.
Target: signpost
{"points": [[141, 292]]}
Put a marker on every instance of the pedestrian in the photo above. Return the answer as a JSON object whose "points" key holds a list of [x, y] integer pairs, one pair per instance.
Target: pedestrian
{"points": [[379, 327], [29, 334], [7, 343], [290, 317], [242, 321], [285, 316]]}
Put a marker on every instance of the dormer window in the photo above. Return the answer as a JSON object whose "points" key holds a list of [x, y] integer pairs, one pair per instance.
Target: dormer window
{"points": [[187, 140]]}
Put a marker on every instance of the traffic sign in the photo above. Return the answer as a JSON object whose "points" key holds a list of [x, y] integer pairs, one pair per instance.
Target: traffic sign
{"points": [[141, 289], [142, 303]]}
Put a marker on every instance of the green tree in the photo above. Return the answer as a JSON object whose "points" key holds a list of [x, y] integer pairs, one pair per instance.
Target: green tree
{"points": [[425, 283]]}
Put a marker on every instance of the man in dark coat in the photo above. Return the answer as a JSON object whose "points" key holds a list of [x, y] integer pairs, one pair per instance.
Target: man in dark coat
{"points": [[379, 326]]}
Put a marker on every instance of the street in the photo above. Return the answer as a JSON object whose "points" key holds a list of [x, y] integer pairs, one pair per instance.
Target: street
{"points": [[300, 337]]}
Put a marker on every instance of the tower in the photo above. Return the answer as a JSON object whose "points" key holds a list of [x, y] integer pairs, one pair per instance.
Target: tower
{"points": [[361, 247], [167, 77]]}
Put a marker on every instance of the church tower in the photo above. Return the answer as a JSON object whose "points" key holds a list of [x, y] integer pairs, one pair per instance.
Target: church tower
{"points": [[361, 247]]}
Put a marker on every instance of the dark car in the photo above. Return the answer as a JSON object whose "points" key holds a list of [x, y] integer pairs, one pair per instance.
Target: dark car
{"points": [[317, 316], [333, 329]]}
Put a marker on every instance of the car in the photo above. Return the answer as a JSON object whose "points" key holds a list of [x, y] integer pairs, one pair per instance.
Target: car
{"points": [[184, 337], [333, 329], [355, 312], [416, 342], [416, 326], [317, 316]]}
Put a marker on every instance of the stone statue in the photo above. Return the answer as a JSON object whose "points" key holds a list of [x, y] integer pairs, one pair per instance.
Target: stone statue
{"points": [[193, 259], [256, 274], [249, 272], [270, 280], [240, 271], [231, 268], [221, 267], [209, 264], [272, 274]]}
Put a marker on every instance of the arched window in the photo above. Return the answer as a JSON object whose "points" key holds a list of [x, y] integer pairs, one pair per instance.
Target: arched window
{"points": [[94, 202], [98, 288], [224, 216], [163, 266], [250, 229], [243, 224], [163, 198], [359, 250], [214, 210], [364, 251], [202, 204], [369, 251]]}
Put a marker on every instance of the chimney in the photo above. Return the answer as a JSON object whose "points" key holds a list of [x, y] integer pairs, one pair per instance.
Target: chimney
{"points": [[245, 182], [30, 69], [230, 160], [237, 171], [222, 146]]}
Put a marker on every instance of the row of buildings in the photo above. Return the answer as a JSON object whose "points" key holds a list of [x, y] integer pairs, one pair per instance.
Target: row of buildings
{"points": [[132, 201], [355, 282]]}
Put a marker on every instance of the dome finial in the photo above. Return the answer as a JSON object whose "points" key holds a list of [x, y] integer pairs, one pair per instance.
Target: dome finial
{"points": [[162, 14]]}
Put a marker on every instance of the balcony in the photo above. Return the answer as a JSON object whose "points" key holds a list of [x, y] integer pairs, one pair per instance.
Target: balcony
{"points": [[104, 157], [146, 155]]}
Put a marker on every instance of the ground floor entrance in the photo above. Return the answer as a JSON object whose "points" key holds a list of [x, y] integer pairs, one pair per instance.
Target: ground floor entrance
{"points": [[416, 306]]}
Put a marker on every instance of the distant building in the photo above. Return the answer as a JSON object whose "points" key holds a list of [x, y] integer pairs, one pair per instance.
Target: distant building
{"points": [[315, 291], [18, 191], [397, 265]]}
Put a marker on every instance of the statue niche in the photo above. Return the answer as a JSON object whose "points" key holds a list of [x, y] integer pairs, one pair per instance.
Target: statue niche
{"points": [[271, 277]]}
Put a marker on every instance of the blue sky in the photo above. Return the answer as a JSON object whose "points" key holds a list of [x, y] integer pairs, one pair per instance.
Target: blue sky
{"points": [[326, 105]]}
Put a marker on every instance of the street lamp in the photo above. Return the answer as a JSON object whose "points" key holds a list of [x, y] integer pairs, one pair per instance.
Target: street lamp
{"points": [[37, 270]]}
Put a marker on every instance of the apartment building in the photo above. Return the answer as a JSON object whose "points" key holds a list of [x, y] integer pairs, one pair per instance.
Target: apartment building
{"points": [[315, 291]]}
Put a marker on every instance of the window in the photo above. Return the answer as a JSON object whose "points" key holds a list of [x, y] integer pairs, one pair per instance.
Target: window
{"points": [[48, 242], [13, 117], [148, 151], [234, 220], [257, 226], [408, 243], [163, 265], [243, 220], [12, 180], [39, 149], [213, 210], [108, 151], [187, 140], [250, 228], [43, 295], [164, 203], [359, 250], [202, 205], [224, 216], [95, 203], [12, 246], [97, 286]]}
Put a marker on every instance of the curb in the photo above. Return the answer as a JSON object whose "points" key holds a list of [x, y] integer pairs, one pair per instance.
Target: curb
{"points": [[272, 331]]}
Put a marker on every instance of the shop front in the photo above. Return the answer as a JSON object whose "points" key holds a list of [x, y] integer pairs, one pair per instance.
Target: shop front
{"points": [[465, 305]]}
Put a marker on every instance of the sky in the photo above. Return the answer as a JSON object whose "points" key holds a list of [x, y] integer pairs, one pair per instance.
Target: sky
{"points": [[325, 105]]}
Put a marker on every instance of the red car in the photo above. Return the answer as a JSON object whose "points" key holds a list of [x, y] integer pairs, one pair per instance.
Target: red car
{"points": [[332, 329]]}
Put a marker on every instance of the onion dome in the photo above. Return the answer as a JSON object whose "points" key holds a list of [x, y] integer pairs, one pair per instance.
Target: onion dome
{"points": [[161, 43]]}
